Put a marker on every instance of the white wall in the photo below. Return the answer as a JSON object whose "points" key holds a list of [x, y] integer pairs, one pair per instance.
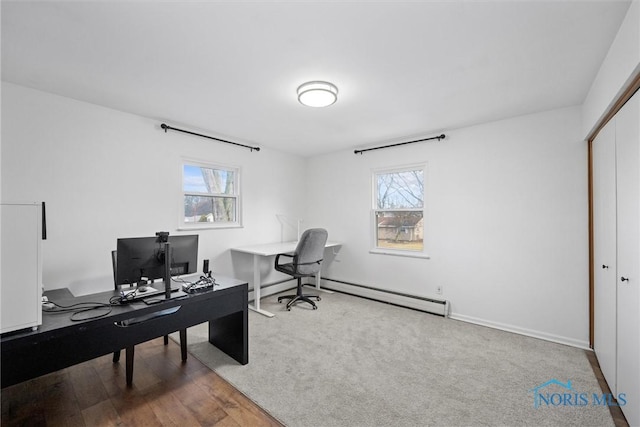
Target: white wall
{"points": [[506, 218], [506, 223], [620, 66], [106, 174]]}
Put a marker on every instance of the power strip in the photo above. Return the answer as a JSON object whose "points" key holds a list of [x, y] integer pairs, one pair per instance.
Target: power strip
{"points": [[204, 284]]}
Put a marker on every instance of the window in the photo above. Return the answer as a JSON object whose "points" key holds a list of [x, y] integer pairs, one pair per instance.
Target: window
{"points": [[398, 210], [211, 196]]}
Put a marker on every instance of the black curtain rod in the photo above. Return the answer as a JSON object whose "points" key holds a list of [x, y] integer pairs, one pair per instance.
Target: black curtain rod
{"points": [[439, 137], [165, 127]]}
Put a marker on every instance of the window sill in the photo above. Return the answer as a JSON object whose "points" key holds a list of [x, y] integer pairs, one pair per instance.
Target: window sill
{"points": [[399, 253], [204, 226]]}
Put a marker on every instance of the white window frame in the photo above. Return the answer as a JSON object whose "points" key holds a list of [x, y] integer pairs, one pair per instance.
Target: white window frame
{"points": [[183, 224], [375, 249]]}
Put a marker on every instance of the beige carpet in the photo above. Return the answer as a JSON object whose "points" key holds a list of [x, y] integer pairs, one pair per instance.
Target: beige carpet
{"points": [[356, 362]]}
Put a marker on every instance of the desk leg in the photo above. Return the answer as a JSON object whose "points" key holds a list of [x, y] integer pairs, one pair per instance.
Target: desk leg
{"points": [[231, 335], [256, 288], [129, 353], [183, 344], [318, 285]]}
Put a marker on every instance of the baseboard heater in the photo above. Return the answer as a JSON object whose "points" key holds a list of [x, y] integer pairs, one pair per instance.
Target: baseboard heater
{"points": [[429, 305], [268, 289]]}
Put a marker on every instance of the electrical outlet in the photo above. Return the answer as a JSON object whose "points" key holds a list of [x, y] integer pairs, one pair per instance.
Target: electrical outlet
{"points": [[439, 289]]}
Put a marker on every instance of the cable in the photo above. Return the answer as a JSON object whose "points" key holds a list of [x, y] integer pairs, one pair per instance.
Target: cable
{"points": [[179, 280], [123, 298], [204, 283], [77, 309]]}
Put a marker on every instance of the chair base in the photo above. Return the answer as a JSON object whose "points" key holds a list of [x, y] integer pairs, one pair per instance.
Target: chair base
{"points": [[297, 298]]}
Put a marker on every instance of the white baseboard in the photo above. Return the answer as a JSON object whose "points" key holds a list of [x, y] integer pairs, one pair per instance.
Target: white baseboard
{"points": [[435, 306], [522, 331], [274, 288]]}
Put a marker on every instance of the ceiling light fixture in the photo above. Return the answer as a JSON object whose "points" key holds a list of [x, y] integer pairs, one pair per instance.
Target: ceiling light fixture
{"points": [[317, 94]]}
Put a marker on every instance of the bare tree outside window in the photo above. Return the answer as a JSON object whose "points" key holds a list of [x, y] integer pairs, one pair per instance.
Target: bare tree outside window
{"points": [[211, 195], [399, 209]]}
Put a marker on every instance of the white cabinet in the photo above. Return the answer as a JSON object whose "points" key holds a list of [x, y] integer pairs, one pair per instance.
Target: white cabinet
{"points": [[21, 266], [616, 207]]}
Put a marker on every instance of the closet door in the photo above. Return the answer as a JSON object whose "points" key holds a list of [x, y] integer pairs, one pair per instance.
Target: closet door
{"points": [[628, 245], [604, 236]]}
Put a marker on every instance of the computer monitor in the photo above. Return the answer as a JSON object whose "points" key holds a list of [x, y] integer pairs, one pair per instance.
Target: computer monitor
{"points": [[139, 257]]}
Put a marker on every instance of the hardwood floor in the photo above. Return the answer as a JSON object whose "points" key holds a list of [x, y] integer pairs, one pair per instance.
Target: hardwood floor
{"points": [[616, 413], [165, 392]]}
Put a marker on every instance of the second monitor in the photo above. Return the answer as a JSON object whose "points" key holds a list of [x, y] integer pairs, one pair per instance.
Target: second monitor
{"points": [[143, 258]]}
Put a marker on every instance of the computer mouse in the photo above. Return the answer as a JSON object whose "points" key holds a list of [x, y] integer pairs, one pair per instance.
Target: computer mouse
{"points": [[142, 289]]}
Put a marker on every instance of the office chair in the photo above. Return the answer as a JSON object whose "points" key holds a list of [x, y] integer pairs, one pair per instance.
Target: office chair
{"points": [[306, 260], [130, 350]]}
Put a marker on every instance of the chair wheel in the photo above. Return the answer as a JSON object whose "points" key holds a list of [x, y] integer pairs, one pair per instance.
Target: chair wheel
{"points": [[315, 307], [319, 299], [288, 308]]}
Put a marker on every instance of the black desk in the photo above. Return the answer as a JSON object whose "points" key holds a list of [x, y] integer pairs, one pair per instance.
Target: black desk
{"points": [[60, 342]]}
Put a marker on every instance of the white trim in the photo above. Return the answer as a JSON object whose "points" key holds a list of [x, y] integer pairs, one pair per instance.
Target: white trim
{"points": [[434, 305], [407, 254], [203, 226], [522, 331], [237, 196], [400, 168], [274, 288], [375, 249]]}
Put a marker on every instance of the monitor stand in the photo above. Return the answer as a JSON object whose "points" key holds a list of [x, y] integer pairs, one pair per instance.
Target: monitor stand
{"points": [[167, 270]]}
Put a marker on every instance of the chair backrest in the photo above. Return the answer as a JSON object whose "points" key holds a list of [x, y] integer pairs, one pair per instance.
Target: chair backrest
{"points": [[310, 250]]}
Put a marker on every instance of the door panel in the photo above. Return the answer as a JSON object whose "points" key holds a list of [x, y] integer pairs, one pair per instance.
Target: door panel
{"points": [[628, 244], [604, 217]]}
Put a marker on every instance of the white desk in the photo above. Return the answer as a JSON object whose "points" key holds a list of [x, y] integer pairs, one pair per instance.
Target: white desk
{"points": [[267, 250]]}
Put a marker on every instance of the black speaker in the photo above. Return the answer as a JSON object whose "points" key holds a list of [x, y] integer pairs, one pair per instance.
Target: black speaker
{"points": [[205, 266]]}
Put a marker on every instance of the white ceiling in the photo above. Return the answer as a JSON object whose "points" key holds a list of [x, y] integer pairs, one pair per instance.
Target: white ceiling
{"points": [[230, 69]]}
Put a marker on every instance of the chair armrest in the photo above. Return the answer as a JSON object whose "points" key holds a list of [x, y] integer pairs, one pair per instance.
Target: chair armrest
{"points": [[287, 255], [312, 262]]}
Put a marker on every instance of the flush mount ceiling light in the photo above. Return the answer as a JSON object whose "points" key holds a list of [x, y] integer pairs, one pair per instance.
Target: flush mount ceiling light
{"points": [[317, 94]]}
